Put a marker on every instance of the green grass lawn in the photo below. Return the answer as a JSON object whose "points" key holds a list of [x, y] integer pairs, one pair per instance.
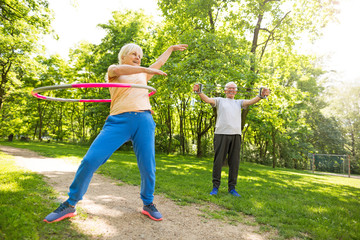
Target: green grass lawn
{"points": [[25, 199], [298, 204]]}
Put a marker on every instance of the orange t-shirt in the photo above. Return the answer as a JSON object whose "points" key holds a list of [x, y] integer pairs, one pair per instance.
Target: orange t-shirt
{"points": [[129, 99]]}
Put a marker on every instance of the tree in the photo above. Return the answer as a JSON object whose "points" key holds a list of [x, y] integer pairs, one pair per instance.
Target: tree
{"points": [[54, 72], [121, 30], [213, 57], [237, 44], [292, 79], [21, 24], [86, 65], [344, 106], [278, 23], [248, 42]]}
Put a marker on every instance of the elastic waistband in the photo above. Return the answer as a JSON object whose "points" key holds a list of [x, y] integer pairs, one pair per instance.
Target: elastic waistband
{"points": [[133, 113]]}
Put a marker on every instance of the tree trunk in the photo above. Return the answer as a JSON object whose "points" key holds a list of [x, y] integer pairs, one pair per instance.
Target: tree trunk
{"points": [[40, 111], [243, 143], [72, 123], [168, 124], [4, 79], [36, 126], [273, 131], [254, 46], [59, 133], [83, 122], [199, 152], [202, 128]]}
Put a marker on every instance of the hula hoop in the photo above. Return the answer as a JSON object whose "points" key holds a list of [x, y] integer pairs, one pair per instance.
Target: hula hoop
{"points": [[35, 92]]}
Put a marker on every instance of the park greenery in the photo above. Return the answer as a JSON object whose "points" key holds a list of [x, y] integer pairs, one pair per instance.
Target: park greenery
{"points": [[294, 204], [253, 43]]}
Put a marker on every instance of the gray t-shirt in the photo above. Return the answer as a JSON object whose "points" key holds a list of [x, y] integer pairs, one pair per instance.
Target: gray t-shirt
{"points": [[228, 119]]}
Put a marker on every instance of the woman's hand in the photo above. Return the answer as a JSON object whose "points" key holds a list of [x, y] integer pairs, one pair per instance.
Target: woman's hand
{"points": [[179, 47], [154, 71]]}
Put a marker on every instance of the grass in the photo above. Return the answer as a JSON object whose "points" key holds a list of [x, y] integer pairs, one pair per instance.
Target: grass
{"points": [[298, 204], [25, 200]]}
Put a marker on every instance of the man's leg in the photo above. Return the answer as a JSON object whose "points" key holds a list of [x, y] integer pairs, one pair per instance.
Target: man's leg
{"points": [[234, 160], [220, 148]]}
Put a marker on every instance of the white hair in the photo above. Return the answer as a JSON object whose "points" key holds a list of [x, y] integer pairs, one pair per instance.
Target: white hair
{"points": [[125, 50], [128, 48], [230, 83]]}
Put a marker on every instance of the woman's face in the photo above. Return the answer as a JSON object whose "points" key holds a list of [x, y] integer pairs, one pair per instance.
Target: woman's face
{"points": [[133, 58]]}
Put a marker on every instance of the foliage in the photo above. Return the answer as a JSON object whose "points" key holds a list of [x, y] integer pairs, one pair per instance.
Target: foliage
{"points": [[344, 107], [21, 24], [120, 31], [248, 42]]}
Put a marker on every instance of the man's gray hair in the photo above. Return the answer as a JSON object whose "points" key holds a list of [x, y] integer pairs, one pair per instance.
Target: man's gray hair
{"points": [[230, 83]]}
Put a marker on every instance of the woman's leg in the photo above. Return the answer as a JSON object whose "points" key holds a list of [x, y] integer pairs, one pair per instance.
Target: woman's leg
{"points": [[114, 133], [144, 147]]}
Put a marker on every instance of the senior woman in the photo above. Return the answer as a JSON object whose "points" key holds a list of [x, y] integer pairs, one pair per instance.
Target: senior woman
{"points": [[130, 119]]}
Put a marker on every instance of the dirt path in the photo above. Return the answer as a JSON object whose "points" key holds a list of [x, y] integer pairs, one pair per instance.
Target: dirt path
{"points": [[113, 212]]}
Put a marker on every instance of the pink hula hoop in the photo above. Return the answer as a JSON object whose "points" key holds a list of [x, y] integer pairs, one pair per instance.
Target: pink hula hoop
{"points": [[35, 92]]}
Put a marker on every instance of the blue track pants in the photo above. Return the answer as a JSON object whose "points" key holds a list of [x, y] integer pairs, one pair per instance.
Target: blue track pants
{"points": [[138, 127]]}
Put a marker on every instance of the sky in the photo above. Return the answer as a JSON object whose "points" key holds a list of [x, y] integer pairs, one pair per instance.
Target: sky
{"points": [[340, 44], [77, 20]]}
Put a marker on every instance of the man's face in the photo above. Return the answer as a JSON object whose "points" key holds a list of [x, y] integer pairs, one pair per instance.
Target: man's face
{"points": [[230, 91]]}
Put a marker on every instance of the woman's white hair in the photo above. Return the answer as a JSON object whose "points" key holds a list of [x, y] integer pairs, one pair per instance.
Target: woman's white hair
{"points": [[125, 50], [230, 83], [128, 48]]}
